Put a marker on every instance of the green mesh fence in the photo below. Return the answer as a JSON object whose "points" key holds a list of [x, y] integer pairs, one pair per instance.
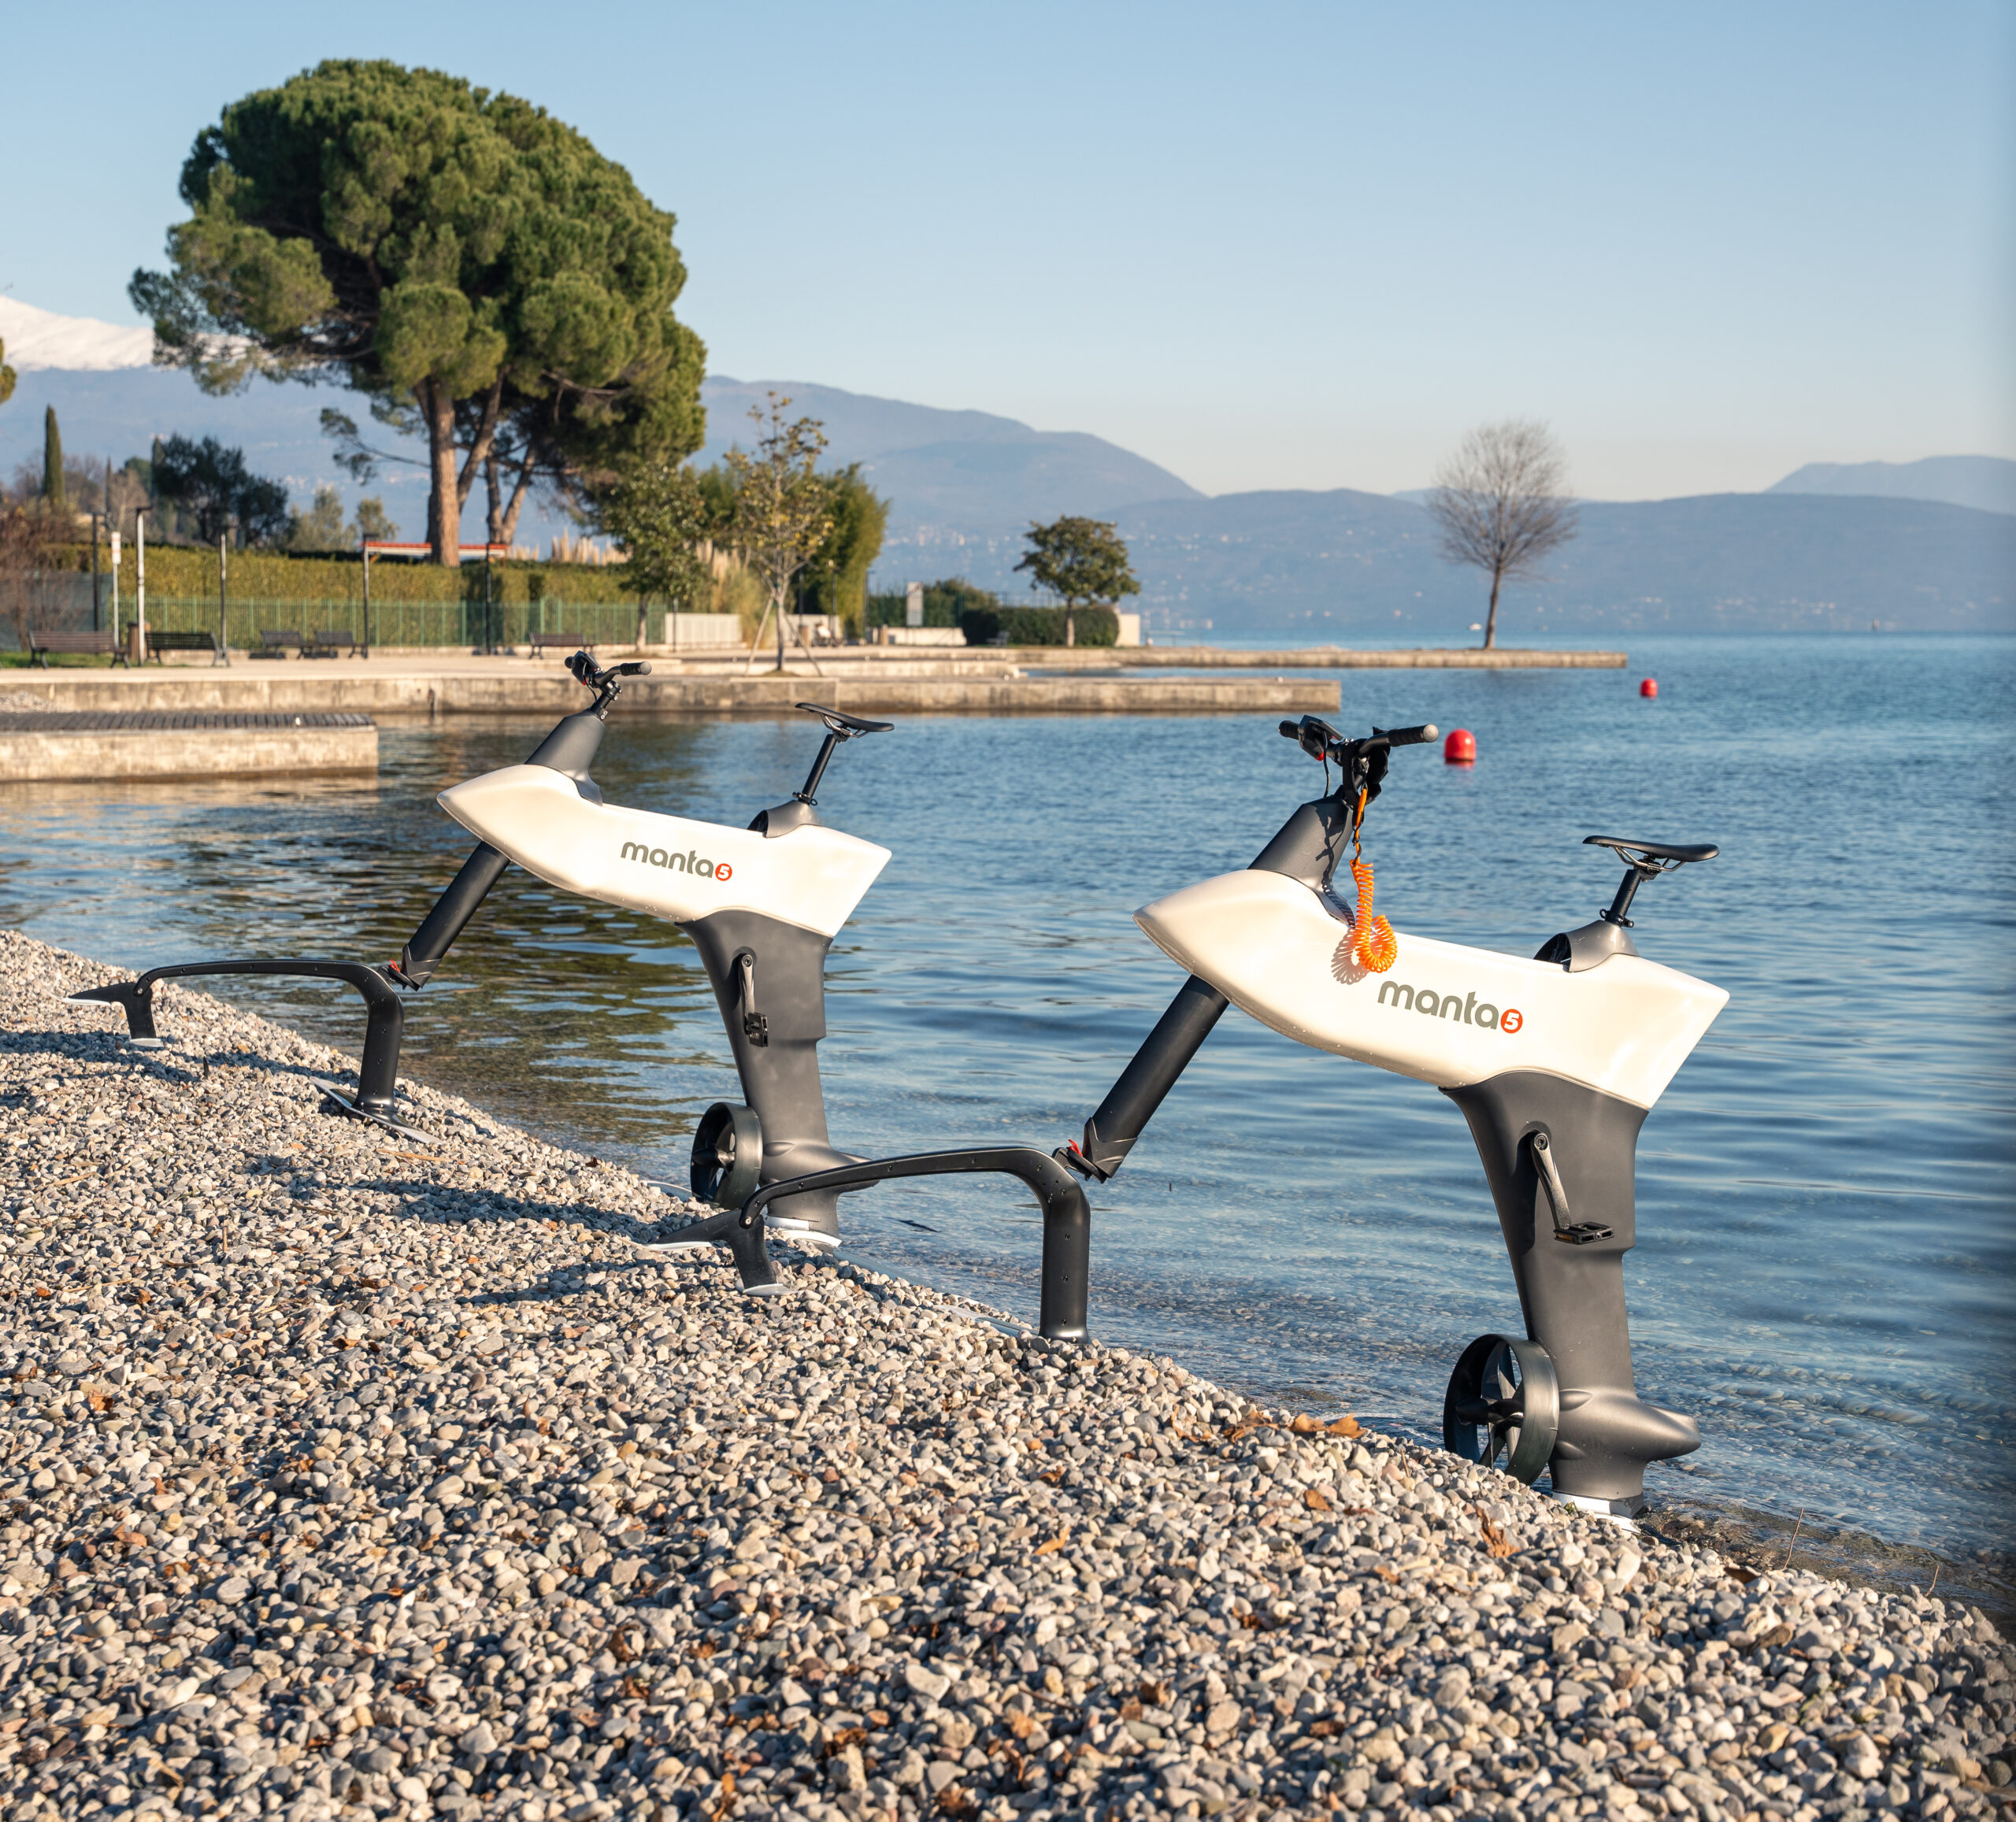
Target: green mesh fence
{"points": [[449, 624]]}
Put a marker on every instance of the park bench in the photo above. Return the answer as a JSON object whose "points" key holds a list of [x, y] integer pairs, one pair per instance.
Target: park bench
{"points": [[558, 642], [160, 640], [331, 642], [277, 642], [95, 644]]}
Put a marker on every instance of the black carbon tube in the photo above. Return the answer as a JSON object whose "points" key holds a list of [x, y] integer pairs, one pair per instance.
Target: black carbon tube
{"points": [[1130, 1104], [452, 910]]}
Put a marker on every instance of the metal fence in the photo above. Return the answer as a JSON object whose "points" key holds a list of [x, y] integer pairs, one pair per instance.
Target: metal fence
{"points": [[64, 602]]}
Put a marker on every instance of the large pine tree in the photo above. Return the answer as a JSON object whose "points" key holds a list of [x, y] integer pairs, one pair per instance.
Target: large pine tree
{"points": [[467, 260]]}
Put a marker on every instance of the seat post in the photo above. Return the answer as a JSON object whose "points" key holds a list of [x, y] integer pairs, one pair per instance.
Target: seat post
{"points": [[1635, 873]]}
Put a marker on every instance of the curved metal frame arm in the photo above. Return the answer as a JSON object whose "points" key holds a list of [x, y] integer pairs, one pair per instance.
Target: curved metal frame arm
{"points": [[385, 1017], [1067, 1220]]}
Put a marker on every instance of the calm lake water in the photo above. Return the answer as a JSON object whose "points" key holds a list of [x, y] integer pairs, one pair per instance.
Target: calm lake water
{"points": [[1823, 1273]]}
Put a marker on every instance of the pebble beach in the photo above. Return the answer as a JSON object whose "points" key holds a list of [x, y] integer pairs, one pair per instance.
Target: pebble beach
{"points": [[343, 1474]]}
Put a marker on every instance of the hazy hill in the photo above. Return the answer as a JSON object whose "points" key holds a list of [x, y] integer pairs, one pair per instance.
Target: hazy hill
{"points": [[1987, 482], [1345, 564], [118, 413], [950, 470], [940, 467], [1816, 550]]}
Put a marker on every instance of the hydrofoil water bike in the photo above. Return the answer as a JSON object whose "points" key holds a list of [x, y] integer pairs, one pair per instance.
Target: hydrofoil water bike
{"points": [[1554, 1061]]}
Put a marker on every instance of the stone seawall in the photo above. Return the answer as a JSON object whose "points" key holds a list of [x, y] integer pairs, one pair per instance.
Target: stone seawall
{"points": [[368, 690], [38, 747]]}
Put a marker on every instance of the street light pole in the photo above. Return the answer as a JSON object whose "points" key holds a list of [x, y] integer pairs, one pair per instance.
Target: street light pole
{"points": [[140, 581], [223, 654]]}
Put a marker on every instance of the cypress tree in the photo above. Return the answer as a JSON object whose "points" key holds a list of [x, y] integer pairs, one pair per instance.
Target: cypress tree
{"points": [[52, 460]]}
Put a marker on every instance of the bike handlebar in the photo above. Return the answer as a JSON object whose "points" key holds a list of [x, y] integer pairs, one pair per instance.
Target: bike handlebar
{"points": [[1320, 741]]}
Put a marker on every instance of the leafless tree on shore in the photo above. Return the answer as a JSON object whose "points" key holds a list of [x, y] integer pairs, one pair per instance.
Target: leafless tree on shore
{"points": [[1501, 504]]}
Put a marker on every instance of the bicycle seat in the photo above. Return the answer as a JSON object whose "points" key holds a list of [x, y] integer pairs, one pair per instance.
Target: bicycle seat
{"points": [[846, 726], [1679, 856]]}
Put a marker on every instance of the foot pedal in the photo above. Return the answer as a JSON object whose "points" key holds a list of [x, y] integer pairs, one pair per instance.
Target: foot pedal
{"points": [[350, 1104], [1572, 1233]]}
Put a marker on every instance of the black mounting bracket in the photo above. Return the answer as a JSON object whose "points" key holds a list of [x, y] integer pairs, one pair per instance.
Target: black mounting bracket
{"points": [[377, 1075], [1067, 1222]]}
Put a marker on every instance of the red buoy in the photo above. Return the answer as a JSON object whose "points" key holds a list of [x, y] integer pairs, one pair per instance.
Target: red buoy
{"points": [[1649, 687], [1460, 748]]}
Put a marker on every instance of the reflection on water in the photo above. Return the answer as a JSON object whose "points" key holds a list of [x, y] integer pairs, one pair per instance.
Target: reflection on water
{"points": [[1825, 1209]]}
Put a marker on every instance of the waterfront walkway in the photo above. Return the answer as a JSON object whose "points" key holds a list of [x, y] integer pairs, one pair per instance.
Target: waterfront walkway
{"points": [[460, 683]]}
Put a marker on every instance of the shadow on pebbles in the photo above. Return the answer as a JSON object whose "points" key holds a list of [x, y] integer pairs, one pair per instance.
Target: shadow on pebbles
{"points": [[341, 1473]]}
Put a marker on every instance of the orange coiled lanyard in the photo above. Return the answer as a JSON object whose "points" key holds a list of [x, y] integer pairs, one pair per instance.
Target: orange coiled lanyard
{"points": [[1372, 944]]}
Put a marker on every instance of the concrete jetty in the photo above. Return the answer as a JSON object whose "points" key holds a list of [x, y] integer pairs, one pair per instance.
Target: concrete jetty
{"points": [[38, 746], [469, 686]]}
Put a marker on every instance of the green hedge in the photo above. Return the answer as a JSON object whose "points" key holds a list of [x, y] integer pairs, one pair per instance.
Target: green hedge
{"points": [[1038, 626], [178, 572], [447, 623], [945, 601]]}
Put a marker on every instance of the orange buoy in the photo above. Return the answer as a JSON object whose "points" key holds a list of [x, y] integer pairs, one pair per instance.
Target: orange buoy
{"points": [[1460, 748], [1649, 687]]}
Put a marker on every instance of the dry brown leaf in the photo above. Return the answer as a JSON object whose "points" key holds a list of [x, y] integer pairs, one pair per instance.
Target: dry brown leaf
{"points": [[1315, 1501], [1056, 1543]]}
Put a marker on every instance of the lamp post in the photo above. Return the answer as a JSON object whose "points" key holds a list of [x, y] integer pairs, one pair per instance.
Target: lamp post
{"points": [[140, 583], [223, 654]]}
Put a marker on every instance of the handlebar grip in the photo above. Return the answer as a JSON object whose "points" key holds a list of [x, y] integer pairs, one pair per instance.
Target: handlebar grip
{"points": [[1413, 736], [1290, 731]]}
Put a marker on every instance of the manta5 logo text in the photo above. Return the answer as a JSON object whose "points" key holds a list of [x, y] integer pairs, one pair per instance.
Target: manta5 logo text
{"points": [[686, 863], [1461, 1007]]}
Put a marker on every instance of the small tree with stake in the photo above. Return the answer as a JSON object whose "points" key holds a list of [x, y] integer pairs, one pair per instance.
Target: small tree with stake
{"points": [[782, 509], [659, 516], [1501, 504], [1083, 561]]}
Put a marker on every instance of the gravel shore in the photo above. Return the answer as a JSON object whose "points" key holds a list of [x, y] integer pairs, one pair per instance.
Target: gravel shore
{"points": [[341, 1474]]}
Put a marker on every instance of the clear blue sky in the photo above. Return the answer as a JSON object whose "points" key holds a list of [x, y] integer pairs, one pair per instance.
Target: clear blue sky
{"points": [[1268, 245]]}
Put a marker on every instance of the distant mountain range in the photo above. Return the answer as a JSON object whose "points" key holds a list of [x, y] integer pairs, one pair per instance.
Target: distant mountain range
{"points": [[1988, 482], [1348, 565], [949, 468], [1929, 544]]}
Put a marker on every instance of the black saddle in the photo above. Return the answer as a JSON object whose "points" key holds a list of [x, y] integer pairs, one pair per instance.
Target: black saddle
{"points": [[847, 726], [1678, 857]]}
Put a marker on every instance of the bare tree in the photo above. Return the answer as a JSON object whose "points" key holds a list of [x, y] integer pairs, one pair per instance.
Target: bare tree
{"points": [[1501, 503]]}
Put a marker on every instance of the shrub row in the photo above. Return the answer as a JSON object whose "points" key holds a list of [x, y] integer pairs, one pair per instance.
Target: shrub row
{"points": [[179, 571], [1037, 626]]}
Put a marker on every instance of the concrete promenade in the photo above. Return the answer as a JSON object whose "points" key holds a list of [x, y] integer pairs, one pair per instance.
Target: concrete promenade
{"points": [[457, 684]]}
